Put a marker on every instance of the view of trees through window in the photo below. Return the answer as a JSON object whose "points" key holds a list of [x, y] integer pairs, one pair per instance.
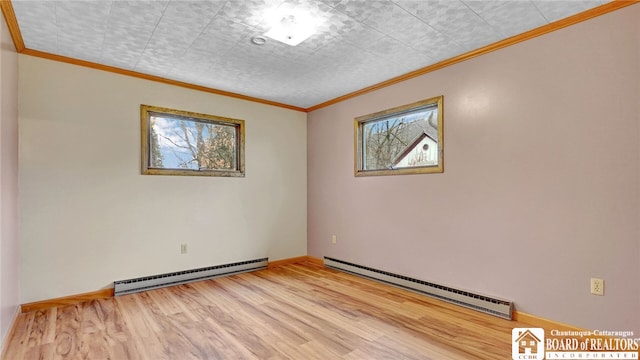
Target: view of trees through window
{"points": [[182, 143], [179, 143], [388, 138], [403, 140]]}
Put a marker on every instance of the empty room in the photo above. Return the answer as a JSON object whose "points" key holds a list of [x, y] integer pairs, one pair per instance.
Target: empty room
{"points": [[320, 179]]}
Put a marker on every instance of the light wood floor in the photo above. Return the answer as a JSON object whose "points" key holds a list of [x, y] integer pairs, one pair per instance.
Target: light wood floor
{"points": [[296, 311]]}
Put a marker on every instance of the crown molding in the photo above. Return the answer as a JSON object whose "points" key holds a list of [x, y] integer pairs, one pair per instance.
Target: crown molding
{"points": [[14, 30], [545, 29]]}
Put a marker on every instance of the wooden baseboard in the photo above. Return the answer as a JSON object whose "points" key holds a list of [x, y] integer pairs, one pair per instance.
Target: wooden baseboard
{"points": [[296, 260], [288, 261], [528, 319], [67, 300], [315, 260], [536, 321], [107, 293]]}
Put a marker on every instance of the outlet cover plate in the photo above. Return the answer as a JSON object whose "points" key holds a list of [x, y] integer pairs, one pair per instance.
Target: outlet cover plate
{"points": [[597, 286]]}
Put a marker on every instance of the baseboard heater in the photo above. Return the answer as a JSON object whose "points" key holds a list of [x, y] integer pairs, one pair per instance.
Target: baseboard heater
{"points": [[181, 277], [493, 306]]}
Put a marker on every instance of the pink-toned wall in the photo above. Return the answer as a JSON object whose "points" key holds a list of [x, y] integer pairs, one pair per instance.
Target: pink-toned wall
{"points": [[9, 246], [541, 188]]}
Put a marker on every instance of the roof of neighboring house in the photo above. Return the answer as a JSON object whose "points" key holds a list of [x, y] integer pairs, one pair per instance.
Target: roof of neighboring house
{"points": [[418, 139], [403, 134], [416, 128]]}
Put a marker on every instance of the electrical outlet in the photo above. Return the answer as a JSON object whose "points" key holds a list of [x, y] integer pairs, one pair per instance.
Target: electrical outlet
{"points": [[597, 286], [334, 239], [183, 248]]}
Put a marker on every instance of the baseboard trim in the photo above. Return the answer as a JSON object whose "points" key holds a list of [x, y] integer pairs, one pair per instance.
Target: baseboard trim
{"points": [[288, 261], [537, 321], [296, 260], [67, 300], [315, 260], [108, 293], [532, 320]]}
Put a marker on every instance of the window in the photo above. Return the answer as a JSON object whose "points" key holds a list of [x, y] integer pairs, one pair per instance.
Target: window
{"points": [[403, 140], [176, 142]]}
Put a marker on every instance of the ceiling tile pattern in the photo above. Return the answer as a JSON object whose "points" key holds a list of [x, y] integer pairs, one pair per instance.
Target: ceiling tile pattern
{"points": [[358, 43]]}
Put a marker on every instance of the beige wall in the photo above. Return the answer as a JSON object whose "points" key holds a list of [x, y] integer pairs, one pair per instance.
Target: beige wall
{"points": [[9, 246], [541, 188], [87, 215], [541, 184]]}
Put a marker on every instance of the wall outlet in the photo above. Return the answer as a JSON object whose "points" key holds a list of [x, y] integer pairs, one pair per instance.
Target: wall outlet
{"points": [[334, 239], [183, 248], [597, 286]]}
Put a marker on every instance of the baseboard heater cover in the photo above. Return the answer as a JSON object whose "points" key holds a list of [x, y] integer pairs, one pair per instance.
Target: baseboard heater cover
{"points": [[182, 277], [489, 305]]}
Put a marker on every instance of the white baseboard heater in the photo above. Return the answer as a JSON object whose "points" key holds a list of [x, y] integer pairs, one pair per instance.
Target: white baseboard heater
{"points": [[181, 277], [489, 305]]}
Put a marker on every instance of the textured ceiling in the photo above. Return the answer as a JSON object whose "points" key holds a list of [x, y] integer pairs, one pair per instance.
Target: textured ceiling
{"points": [[358, 43]]}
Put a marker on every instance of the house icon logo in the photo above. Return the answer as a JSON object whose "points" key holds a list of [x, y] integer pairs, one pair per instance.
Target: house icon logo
{"points": [[527, 343]]}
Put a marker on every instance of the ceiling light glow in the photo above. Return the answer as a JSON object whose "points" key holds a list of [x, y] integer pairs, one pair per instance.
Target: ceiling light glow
{"points": [[292, 29]]}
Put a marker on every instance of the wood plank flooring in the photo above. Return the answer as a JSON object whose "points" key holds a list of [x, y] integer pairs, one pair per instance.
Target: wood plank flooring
{"points": [[295, 311]]}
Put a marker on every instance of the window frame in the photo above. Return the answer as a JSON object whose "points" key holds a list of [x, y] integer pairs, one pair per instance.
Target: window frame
{"points": [[360, 152], [145, 118]]}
